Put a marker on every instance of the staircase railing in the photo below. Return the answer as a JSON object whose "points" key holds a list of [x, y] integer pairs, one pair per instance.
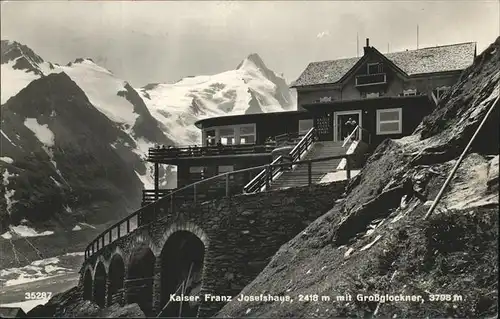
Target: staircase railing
{"points": [[360, 130], [167, 205], [263, 180], [303, 145]]}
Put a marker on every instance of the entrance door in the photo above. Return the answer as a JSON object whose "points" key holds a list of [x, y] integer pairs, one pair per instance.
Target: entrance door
{"points": [[345, 123]]}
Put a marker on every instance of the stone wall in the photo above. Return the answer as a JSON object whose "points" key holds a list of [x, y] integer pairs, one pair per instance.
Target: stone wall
{"points": [[240, 235]]}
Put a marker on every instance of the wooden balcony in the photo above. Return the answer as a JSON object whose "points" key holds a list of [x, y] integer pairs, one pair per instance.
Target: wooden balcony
{"points": [[160, 155], [371, 79]]}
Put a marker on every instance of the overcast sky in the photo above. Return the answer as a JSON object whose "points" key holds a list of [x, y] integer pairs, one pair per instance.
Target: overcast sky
{"points": [[145, 42]]}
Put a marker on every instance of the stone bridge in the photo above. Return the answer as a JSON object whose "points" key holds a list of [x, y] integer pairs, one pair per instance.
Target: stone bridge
{"points": [[221, 245]]}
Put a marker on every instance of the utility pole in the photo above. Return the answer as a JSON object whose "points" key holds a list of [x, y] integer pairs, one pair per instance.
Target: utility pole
{"points": [[417, 36], [357, 44]]}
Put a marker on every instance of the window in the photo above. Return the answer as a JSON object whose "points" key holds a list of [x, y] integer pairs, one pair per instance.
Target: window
{"points": [[227, 135], [305, 126], [373, 68], [410, 92], [211, 137], [247, 134], [389, 121]]}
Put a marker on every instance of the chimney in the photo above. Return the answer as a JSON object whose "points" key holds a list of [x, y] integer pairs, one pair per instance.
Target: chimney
{"points": [[367, 46]]}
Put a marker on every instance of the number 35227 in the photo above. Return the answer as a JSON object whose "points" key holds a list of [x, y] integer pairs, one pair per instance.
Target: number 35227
{"points": [[37, 295]]}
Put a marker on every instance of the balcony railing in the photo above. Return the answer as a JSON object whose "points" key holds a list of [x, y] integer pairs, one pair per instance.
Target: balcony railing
{"points": [[371, 79], [159, 154], [292, 138]]}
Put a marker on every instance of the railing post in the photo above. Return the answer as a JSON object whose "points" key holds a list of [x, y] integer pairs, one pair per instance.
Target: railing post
{"points": [[171, 203], [227, 185], [157, 181], [97, 243], [268, 173], [128, 226], [194, 193], [309, 173], [110, 236], [118, 231], [103, 241], [93, 251], [348, 166]]}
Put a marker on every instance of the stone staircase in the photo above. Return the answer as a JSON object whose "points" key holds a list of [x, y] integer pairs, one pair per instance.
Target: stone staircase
{"points": [[299, 175]]}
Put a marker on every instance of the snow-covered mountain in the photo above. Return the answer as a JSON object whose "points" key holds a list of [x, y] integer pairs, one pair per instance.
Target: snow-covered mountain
{"points": [[74, 136], [74, 139], [250, 88]]}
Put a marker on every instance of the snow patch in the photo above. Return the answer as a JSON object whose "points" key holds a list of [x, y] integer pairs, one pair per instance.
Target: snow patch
{"points": [[6, 235], [46, 261], [76, 228], [6, 159], [25, 231], [337, 176], [45, 136], [80, 253], [9, 193], [88, 225], [42, 132], [37, 270]]}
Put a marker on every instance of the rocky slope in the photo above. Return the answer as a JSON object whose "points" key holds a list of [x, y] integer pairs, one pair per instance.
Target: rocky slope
{"points": [[381, 243]]}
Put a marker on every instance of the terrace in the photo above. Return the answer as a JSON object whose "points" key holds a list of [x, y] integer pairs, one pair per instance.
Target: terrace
{"points": [[172, 155]]}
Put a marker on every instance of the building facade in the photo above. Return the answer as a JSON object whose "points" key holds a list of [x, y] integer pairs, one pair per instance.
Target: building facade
{"points": [[381, 93]]}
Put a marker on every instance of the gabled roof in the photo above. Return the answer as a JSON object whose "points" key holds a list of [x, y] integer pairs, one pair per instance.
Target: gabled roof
{"points": [[454, 57]]}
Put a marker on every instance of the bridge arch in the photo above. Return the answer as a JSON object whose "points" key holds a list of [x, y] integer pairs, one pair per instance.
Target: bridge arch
{"points": [[87, 284], [139, 278], [116, 275], [182, 261], [100, 278]]}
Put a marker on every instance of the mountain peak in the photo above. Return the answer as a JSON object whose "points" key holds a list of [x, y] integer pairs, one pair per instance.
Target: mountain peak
{"points": [[80, 60], [252, 59], [12, 50]]}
